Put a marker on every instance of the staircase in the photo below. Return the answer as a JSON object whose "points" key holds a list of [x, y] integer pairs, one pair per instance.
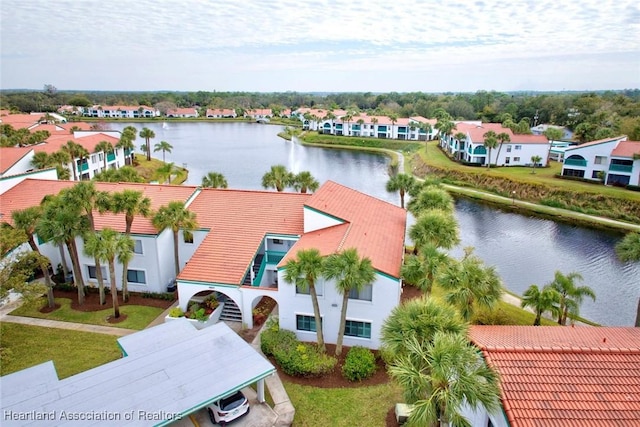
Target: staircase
{"points": [[230, 311], [256, 267]]}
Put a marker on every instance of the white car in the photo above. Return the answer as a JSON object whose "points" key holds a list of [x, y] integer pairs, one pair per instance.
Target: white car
{"points": [[228, 409]]}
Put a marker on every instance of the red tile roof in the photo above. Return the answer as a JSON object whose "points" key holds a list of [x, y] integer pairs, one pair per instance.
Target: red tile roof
{"points": [[9, 156], [31, 191], [376, 228], [568, 376], [55, 142], [181, 111], [19, 121], [626, 149], [477, 131], [238, 221]]}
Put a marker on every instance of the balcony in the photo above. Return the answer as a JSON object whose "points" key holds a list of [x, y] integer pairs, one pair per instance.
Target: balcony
{"points": [[270, 258], [111, 157], [575, 162], [621, 168]]}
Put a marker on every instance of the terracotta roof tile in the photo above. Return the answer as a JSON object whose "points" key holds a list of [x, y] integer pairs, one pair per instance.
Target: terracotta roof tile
{"points": [[56, 141], [9, 156], [626, 149], [582, 376]]}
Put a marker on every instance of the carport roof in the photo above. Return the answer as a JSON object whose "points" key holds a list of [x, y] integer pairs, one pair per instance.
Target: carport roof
{"points": [[171, 371]]}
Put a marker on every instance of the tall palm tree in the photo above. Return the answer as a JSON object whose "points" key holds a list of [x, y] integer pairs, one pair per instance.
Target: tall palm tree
{"points": [[73, 151], [502, 137], [490, 142], [402, 183], [163, 146], [214, 180], [435, 228], [350, 273], [534, 161], [304, 182], [105, 147], [107, 245], [278, 177], [165, 171], [571, 295], [176, 217], [441, 377], [418, 318], [445, 126], [132, 204], [62, 222], [431, 197], [126, 142], [27, 220], [420, 270], [85, 195], [147, 134], [552, 134], [540, 301], [460, 136], [303, 271], [469, 284], [628, 249]]}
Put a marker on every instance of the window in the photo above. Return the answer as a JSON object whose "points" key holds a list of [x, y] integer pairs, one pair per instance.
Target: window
{"points": [[507, 160], [93, 159], [137, 246], [304, 290], [518, 147], [136, 276], [101, 156], [305, 323], [365, 294], [600, 160], [508, 148], [187, 236], [516, 159], [278, 242], [93, 272], [357, 329]]}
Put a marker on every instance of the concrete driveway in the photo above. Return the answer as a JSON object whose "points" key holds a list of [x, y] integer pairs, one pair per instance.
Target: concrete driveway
{"points": [[260, 415]]}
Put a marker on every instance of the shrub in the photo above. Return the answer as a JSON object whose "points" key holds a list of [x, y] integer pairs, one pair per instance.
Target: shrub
{"points": [[176, 312], [359, 364], [272, 338]]}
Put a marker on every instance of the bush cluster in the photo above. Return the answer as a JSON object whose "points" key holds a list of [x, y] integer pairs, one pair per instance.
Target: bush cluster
{"points": [[295, 358], [359, 364]]}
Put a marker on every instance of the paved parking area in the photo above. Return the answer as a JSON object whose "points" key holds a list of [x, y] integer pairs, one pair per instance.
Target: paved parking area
{"points": [[260, 415]]}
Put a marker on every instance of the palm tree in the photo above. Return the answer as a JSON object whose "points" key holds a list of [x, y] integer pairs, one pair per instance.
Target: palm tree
{"points": [[132, 204], [534, 161], [73, 151], [401, 183], [435, 228], [628, 249], [61, 158], [540, 301], [304, 271], [175, 216], [418, 318], [502, 137], [351, 273], [571, 296], [304, 182], [126, 142], [27, 220], [85, 195], [420, 270], [490, 142], [443, 376], [62, 222], [105, 147], [460, 137], [278, 177], [163, 146], [214, 180], [552, 134], [147, 134], [41, 160], [431, 197], [165, 171], [445, 126], [469, 284], [107, 245]]}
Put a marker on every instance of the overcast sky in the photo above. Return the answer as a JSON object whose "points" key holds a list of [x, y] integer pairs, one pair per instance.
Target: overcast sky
{"points": [[326, 46]]}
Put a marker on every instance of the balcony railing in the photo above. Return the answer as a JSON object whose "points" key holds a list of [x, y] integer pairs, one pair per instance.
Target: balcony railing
{"points": [[111, 157], [575, 162], [621, 168], [270, 257]]}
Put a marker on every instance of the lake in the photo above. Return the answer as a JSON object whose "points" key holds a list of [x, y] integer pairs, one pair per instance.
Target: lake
{"points": [[525, 250]]}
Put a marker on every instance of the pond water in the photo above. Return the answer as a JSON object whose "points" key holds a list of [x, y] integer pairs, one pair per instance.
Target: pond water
{"points": [[525, 250]]}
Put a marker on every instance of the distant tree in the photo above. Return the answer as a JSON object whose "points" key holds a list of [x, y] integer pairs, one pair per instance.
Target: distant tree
{"points": [[163, 146], [571, 295], [402, 183], [628, 249], [75, 151], [584, 132], [490, 142], [304, 182], [147, 134], [176, 217], [105, 147], [552, 134], [540, 301], [165, 171], [534, 161], [214, 180], [502, 137], [278, 177]]}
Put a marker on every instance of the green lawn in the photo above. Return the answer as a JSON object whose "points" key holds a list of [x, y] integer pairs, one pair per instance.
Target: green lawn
{"points": [[138, 317], [358, 406], [72, 352]]}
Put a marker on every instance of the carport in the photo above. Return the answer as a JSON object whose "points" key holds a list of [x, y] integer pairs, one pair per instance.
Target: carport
{"points": [[168, 372]]}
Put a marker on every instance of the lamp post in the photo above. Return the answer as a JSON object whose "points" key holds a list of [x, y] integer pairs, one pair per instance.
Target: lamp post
{"points": [[513, 197]]}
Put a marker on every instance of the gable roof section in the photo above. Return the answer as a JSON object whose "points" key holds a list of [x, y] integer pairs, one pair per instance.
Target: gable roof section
{"points": [[377, 228], [569, 376], [89, 142], [9, 156], [599, 141], [238, 221], [626, 149]]}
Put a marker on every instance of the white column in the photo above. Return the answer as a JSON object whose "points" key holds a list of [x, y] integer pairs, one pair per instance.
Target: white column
{"points": [[261, 390]]}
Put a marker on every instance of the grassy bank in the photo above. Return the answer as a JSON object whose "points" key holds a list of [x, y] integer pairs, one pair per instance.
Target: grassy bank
{"points": [[148, 169], [541, 188]]}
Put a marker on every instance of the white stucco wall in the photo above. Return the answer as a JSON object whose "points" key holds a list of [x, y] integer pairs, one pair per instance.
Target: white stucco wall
{"points": [[524, 154], [8, 182], [480, 418], [386, 295], [589, 153], [315, 220]]}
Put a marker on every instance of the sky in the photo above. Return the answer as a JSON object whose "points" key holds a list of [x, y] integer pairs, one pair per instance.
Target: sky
{"points": [[320, 45]]}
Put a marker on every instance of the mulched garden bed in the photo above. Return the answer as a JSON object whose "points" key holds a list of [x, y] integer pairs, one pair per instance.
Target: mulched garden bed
{"points": [[92, 300]]}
